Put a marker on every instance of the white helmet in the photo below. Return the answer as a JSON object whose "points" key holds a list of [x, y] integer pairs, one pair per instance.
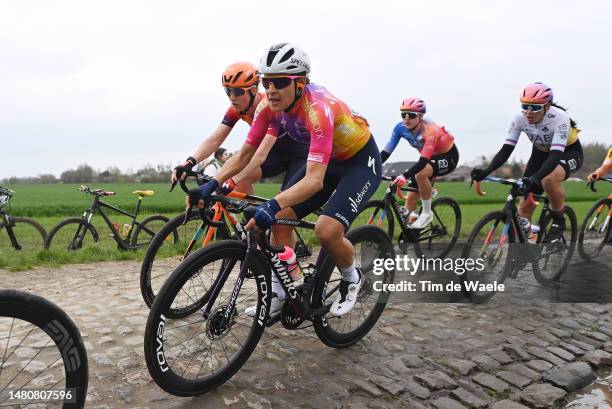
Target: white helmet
{"points": [[284, 58]]}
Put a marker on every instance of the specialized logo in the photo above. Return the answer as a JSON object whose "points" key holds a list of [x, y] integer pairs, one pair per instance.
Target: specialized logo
{"points": [[282, 273], [341, 217], [300, 63], [372, 164], [360, 196]]}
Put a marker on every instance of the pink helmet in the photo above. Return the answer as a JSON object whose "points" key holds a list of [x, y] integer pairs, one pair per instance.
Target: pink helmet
{"points": [[537, 93], [414, 105]]}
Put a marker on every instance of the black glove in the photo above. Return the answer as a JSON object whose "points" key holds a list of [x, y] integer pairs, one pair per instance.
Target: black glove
{"points": [[478, 174], [530, 184], [185, 167]]}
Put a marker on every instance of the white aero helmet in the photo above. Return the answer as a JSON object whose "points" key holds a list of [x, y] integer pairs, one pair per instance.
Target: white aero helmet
{"points": [[284, 58]]}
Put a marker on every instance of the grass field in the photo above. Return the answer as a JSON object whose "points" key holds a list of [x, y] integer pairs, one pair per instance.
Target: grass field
{"points": [[49, 204]]}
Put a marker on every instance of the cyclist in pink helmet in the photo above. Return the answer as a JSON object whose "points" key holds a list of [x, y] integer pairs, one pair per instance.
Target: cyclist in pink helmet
{"points": [[556, 153], [438, 156]]}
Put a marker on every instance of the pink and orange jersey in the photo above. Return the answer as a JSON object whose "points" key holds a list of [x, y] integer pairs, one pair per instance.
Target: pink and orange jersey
{"points": [[430, 140], [333, 130], [232, 116]]}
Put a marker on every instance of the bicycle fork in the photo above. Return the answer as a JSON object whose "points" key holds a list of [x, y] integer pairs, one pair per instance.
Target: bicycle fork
{"points": [[9, 223]]}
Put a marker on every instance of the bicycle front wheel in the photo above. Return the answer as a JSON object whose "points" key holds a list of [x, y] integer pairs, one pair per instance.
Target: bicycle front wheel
{"points": [[71, 234], [439, 238], [370, 243], [169, 247], [195, 353], [41, 350], [596, 230], [30, 235], [492, 245], [555, 250]]}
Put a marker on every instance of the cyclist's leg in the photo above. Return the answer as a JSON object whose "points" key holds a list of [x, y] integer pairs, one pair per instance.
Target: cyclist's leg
{"points": [[537, 158], [412, 198]]}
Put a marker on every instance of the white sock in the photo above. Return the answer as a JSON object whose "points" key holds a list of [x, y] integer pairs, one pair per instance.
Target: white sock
{"points": [[350, 273], [426, 205], [277, 288]]}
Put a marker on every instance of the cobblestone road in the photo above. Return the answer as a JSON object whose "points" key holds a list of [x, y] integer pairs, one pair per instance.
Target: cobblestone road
{"points": [[513, 351]]}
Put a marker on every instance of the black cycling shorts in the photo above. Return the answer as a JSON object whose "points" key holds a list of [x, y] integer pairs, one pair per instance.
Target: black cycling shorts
{"points": [[571, 161], [442, 165], [347, 186], [286, 156]]}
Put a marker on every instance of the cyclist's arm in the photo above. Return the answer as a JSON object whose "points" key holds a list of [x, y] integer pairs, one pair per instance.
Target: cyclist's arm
{"points": [[557, 147], [259, 158], [310, 184], [500, 158], [391, 145], [211, 143]]}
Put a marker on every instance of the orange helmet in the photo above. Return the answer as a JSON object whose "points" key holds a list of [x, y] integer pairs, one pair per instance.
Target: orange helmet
{"points": [[240, 75]]}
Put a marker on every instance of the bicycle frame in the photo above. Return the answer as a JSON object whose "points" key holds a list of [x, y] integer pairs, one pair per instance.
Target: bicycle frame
{"points": [[99, 205]]}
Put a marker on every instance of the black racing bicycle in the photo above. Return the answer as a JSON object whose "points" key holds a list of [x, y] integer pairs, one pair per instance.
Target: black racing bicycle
{"points": [[505, 249], [165, 252], [72, 233], [23, 232], [211, 335], [436, 240], [43, 361], [596, 230]]}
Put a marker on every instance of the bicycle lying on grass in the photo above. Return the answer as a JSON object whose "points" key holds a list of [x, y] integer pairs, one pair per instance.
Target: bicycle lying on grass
{"points": [[72, 233], [498, 239], [596, 230], [434, 241], [43, 361], [198, 334], [165, 252], [23, 232]]}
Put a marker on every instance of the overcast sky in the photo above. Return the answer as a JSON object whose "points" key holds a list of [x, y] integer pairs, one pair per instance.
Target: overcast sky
{"points": [[129, 83]]}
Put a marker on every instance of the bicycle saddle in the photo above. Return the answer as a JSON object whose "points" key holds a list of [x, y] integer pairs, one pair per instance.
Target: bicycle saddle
{"points": [[142, 193]]}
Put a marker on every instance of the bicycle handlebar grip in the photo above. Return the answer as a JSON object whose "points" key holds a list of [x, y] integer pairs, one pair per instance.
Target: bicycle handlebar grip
{"points": [[399, 193], [109, 193], [591, 185], [479, 190]]}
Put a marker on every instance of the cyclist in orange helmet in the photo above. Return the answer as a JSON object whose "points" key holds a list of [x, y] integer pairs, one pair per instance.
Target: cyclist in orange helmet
{"points": [[275, 155]]}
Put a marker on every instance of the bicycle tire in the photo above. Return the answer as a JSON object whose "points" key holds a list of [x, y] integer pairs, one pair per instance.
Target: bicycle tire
{"points": [[38, 244], [589, 255], [495, 216], [140, 230], [149, 284], [155, 348], [370, 214], [538, 272], [443, 251], [323, 325], [91, 231], [61, 330]]}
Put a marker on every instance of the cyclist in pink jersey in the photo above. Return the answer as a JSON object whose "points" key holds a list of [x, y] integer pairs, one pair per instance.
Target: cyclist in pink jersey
{"points": [[275, 155], [439, 156], [342, 172]]}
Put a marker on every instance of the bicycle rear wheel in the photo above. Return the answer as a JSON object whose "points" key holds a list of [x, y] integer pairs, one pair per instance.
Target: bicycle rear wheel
{"points": [[148, 228], [64, 235], [439, 238], [370, 243], [554, 257], [41, 349], [193, 354], [596, 230], [169, 247], [29, 233], [489, 242]]}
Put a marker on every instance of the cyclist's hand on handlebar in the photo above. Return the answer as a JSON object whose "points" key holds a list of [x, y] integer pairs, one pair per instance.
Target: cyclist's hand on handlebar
{"points": [[227, 187], [593, 177], [264, 216], [399, 181], [530, 184], [478, 174], [180, 170], [197, 196]]}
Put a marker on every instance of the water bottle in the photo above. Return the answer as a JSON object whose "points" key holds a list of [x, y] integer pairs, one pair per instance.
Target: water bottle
{"points": [[524, 224], [535, 229], [288, 257]]}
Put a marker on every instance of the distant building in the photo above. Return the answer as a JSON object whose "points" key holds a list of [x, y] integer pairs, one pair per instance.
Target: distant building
{"points": [[395, 168]]}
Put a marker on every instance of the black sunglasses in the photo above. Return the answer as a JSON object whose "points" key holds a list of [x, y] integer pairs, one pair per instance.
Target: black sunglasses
{"points": [[409, 115], [279, 82], [238, 92], [532, 107]]}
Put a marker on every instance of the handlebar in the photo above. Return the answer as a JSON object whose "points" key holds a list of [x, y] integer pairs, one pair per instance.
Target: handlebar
{"points": [[398, 190], [591, 185], [95, 192], [511, 182]]}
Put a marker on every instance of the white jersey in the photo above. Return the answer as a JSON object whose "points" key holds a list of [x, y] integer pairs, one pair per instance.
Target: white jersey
{"points": [[553, 132]]}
